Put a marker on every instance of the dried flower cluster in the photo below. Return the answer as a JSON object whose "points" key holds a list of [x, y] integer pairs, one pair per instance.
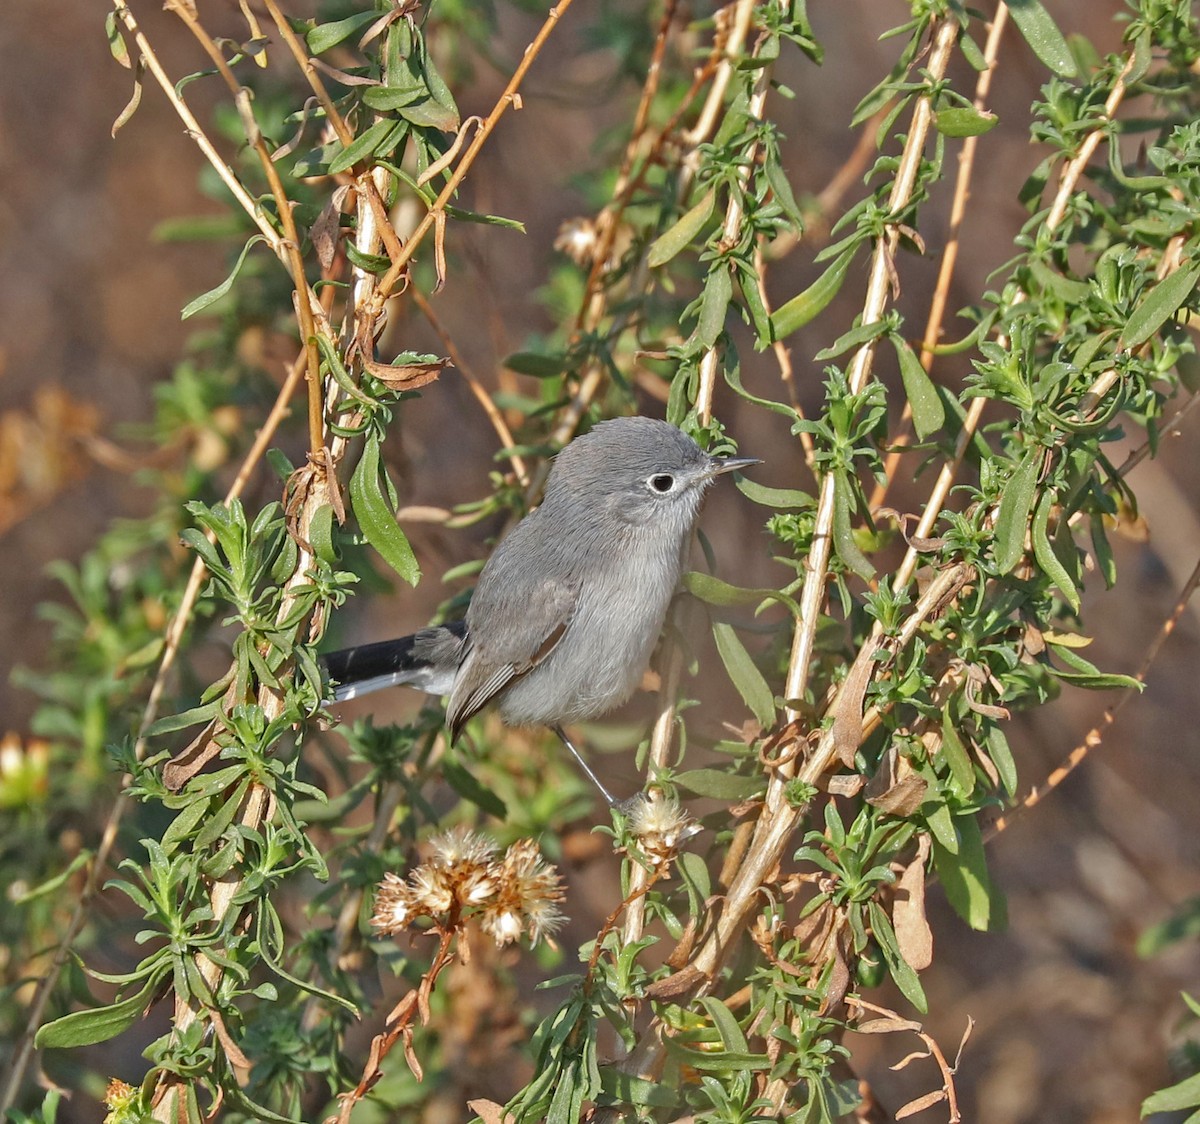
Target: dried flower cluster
{"points": [[660, 826], [463, 879]]}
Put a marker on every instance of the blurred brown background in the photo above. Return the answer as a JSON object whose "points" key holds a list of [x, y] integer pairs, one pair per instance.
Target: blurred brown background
{"points": [[1071, 1025]]}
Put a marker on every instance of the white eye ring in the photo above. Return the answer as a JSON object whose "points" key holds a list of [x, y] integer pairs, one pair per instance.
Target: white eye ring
{"points": [[661, 483]]}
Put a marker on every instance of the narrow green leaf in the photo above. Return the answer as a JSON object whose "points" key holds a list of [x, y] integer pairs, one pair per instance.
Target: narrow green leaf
{"points": [[718, 784], [928, 412], [86, 1028], [385, 99], [744, 674], [901, 971], [727, 1026], [205, 299], [1043, 36], [1043, 551], [184, 719], [1015, 505], [1001, 755], [964, 121], [535, 365], [1161, 302], [464, 783], [1176, 1098], [713, 591], [376, 518], [843, 536], [363, 146], [714, 303], [791, 498], [1086, 674], [965, 878], [327, 35], [962, 772], [680, 236], [809, 304]]}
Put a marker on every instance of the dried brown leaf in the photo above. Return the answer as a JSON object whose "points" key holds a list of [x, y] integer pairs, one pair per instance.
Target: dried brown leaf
{"points": [[406, 376], [490, 1112], [676, 984], [908, 1059], [324, 231], [921, 1104], [896, 788], [913, 934], [134, 101], [848, 722], [845, 784], [232, 1050], [192, 759]]}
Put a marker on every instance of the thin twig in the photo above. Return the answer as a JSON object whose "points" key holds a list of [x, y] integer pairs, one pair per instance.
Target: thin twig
{"points": [[941, 291], [228, 177], [389, 280], [1095, 735], [484, 399]]}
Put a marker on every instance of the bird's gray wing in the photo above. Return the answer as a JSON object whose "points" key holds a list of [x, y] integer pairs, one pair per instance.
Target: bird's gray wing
{"points": [[497, 657]]}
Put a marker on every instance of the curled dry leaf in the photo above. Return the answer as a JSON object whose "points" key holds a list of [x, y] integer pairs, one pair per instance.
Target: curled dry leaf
{"points": [[913, 934], [915, 1056], [896, 788], [406, 376], [324, 231]]}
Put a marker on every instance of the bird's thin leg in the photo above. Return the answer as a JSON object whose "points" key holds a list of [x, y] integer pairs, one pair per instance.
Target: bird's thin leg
{"points": [[608, 796]]}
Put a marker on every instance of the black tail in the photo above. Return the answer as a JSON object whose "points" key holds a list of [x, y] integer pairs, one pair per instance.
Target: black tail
{"points": [[427, 660]]}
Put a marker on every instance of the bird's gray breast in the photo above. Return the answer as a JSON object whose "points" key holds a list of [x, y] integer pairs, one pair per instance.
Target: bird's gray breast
{"points": [[625, 586]]}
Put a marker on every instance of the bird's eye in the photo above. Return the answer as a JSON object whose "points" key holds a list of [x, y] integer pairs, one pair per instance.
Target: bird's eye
{"points": [[661, 482]]}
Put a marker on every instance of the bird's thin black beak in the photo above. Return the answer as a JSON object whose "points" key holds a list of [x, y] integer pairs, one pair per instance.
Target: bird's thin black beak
{"points": [[722, 465]]}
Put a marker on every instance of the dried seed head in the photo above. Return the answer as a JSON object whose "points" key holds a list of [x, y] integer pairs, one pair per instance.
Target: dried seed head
{"points": [[577, 239], [661, 826], [393, 907], [514, 895]]}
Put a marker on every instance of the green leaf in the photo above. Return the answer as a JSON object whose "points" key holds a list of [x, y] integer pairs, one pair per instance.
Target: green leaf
{"points": [[464, 783], [389, 98], [1086, 674], [86, 1028], [184, 719], [965, 878], [809, 304], [713, 591], [327, 35], [1043, 36], [901, 971], [535, 365], [843, 536], [962, 772], [744, 673], [928, 413], [679, 236], [1160, 303], [1175, 1098], [1015, 505], [718, 784], [205, 299], [1043, 551], [1001, 755], [366, 144], [727, 1026], [964, 121], [376, 518], [714, 303], [777, 498]]}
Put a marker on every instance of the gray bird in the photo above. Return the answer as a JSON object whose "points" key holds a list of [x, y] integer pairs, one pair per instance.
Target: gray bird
{"points": [[569, 607]]}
